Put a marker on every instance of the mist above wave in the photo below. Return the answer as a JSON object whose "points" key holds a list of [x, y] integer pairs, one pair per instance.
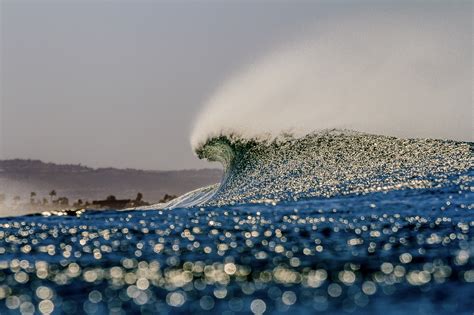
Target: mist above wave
{"points": [[394, 75]]}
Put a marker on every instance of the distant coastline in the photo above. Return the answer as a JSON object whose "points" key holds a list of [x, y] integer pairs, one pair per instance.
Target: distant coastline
{"points": [[22, 180]]}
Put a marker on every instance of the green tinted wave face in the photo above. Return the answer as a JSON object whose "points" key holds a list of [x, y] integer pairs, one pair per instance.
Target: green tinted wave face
{"points": [[330, 163]]}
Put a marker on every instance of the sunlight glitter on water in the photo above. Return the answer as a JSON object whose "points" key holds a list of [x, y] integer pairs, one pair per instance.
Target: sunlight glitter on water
{"points": [[350, 254]]}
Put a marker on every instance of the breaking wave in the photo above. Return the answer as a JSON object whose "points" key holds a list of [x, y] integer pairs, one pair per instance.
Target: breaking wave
{"points": [[325, 164], [280, 126]]}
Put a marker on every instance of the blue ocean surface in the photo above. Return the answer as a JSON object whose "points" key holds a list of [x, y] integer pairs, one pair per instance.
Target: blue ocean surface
{"points": [[405, 249]]}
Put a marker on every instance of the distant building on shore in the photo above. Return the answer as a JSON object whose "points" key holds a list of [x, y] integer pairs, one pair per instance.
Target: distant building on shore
{"points": [[111, 202]]}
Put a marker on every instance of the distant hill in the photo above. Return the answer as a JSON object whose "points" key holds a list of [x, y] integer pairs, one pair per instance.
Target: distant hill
{"points": [[20, 177]]}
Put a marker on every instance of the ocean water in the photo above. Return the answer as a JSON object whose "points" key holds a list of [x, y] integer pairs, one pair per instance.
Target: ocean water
{"points": [[332, 223]]}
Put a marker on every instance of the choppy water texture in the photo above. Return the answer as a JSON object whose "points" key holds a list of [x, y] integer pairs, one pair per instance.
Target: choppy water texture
{"points": [[332, 223]]}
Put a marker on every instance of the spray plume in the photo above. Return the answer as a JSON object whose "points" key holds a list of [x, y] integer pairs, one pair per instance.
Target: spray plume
{"points": [[393, 75]]}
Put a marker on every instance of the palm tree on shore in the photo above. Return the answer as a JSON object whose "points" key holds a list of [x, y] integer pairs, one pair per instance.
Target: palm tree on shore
{"points": [[52, 194], [32, 197]]}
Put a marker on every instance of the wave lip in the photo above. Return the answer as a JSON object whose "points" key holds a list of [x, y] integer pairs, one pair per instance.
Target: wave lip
{"points": [[329, 163]]}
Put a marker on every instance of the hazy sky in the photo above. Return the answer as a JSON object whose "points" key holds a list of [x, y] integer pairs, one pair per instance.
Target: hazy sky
{"points": [[118, 83]]}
